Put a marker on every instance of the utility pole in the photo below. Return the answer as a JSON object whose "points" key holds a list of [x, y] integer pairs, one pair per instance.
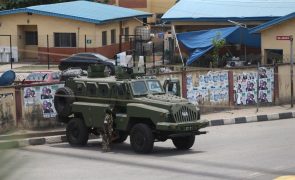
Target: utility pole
{"points": [[291, 70], [257, 83]]}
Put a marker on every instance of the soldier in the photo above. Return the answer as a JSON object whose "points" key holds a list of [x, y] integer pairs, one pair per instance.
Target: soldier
{"points": [[107, 131]]}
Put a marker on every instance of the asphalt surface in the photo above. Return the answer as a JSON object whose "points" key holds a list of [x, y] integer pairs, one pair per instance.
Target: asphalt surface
{"points": [[263, 150]]}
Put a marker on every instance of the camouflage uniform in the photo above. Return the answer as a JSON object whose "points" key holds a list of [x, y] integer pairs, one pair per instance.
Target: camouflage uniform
{"points": [[107, 132]]}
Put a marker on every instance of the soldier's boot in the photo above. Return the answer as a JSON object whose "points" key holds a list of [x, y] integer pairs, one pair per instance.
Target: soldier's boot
{"points": [[106, 145]]}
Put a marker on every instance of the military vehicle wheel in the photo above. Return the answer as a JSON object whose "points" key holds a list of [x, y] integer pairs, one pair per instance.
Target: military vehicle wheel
{"points": [[184, 143], [122, 137], [63, 98], [76, 132], [142, 138]]}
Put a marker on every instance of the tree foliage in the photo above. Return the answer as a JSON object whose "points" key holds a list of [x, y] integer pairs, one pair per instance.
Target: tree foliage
{"points": [[218, 43]]}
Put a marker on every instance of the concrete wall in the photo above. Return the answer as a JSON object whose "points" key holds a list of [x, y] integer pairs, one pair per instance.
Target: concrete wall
{"points": [[268, 39], [206, 89], [37, 108], [284, 83], [7, 109], [222, 93]]}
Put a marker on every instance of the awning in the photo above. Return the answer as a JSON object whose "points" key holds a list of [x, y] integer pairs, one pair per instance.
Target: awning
{"points": [[199, 42]]}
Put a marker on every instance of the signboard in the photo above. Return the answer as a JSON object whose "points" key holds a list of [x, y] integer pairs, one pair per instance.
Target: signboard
{"points": [[284, 38], [88, 41]]}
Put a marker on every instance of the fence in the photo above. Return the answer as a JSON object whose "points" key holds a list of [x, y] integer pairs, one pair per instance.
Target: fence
{"points": [[31, 106], [157, 51], [28, 106], [37, 105], [7, 108], [216, 89]]}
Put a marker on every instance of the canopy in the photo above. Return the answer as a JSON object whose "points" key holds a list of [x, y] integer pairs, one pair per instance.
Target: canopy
{"points": [[199, 42]]}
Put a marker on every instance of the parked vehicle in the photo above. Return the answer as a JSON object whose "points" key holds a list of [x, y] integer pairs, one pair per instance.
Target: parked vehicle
{"points": [[72, 72], [83, 60], [139, 105], [42, 77]]}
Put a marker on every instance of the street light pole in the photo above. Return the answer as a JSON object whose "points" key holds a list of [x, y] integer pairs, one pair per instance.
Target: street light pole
{"points": [[245, 27], [291, 66]]}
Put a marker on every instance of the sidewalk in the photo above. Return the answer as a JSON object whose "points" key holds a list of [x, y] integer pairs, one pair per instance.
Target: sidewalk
{"points": [[5, 67], [250, 115], [23, 138]]}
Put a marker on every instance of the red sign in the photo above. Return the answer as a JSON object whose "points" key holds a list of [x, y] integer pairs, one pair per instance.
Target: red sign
{"points": [[284, 37]]}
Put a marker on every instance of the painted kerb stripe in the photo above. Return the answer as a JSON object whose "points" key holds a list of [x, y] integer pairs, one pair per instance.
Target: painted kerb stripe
{"points": [[240, 120], [218, 122], [262, 118]]}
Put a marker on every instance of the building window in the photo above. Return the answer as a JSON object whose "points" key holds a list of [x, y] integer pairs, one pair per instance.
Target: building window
{"points": [[104, 38], [126, 33], [274, 56], [113, 36], [65, 40], [31, 38]]}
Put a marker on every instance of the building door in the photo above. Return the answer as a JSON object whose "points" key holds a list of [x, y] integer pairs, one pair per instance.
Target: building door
{"points": [[28, 42]]}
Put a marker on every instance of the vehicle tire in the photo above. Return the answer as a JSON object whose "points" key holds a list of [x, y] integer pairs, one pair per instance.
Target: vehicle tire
{"points": [[184, 143], [142, 138], [76, 132], [122, 137], [63, 98]]}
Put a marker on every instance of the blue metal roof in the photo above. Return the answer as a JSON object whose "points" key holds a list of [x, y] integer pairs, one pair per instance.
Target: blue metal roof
{"points": [[269, 24], [82, 11], [223, 10], [197, 43]]}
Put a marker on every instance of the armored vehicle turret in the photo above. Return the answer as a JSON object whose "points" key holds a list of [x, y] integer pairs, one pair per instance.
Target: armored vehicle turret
{"points": [[140, 107]]}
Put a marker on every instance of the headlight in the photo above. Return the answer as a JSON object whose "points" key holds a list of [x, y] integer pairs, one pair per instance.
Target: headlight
{"points": [[165, 116]]}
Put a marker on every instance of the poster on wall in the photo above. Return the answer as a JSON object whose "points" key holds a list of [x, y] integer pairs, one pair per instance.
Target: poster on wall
{"points": [[40, 98], [212, 87], [246, 87]]}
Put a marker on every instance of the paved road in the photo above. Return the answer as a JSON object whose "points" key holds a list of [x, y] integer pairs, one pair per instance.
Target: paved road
{"points": [[264, 150]]}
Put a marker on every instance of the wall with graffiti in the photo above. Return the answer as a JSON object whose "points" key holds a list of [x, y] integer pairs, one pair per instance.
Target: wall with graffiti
{"points": [[7, 109], [250, 85], [38, 103], [208, 88]]}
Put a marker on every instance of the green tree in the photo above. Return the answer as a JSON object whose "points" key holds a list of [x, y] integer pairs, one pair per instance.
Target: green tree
{"points": [[218, 43]]}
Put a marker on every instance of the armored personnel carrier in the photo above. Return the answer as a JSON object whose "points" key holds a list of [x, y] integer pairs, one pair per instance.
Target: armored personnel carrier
{"points": [[140, 107]]}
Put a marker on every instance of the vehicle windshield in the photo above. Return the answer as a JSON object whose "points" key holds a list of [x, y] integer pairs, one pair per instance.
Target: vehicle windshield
{"points": [[154, 86], [139, 88], [145, 87]]}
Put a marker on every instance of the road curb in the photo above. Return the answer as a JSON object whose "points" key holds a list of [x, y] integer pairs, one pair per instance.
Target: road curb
{"points": [[9, 144], [32, 135], [60, 137], [249, 119]]}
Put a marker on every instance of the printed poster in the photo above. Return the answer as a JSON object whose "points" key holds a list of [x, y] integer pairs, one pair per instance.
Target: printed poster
{"points": [[41, 97]]}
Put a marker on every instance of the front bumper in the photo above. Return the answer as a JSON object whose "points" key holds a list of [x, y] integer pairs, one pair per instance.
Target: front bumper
{"points": [[183, 127]]}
